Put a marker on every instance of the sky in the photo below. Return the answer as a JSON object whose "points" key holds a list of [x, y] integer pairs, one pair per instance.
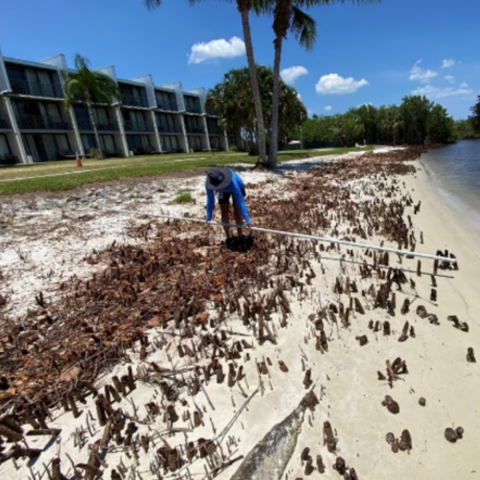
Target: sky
{"points": [[374, 53]]}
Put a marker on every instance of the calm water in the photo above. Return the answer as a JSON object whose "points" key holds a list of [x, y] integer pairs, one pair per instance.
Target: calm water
{"points": [[455, 172]]}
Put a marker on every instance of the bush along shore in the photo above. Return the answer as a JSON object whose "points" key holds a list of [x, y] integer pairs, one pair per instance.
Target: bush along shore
{"points": [[177, 357]]}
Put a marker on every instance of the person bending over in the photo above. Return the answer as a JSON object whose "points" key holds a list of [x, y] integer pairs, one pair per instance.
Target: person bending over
{"points": [[225, 184]]}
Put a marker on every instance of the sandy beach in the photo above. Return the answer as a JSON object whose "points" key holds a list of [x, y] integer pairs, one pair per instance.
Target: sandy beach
{"points": [[227, 346]]}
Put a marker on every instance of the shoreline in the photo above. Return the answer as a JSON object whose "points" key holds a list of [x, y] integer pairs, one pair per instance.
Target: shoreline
{"points": [[343, 372], [458, 203]]}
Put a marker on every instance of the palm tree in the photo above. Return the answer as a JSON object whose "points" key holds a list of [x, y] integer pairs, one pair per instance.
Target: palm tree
{"points": [[288, 16], [244, 7], [89, 88]]}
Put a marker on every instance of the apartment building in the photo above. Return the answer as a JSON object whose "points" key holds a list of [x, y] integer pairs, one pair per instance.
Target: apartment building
{"points": [[147, 119]]}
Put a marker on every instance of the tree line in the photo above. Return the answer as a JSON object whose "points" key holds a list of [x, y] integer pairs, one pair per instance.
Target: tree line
{"points": [[416, 121], [470, 127]]}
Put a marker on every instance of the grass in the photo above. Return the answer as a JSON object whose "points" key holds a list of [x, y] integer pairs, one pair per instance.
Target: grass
{"points": [[183, 196], [59, 176]]}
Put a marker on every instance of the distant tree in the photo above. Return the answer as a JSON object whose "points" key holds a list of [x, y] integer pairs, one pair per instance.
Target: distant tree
{"points": [[368, 115], [244, 7], [389, 125], [440, 126], [414, 113], [88, 87], [349, 129], [317, 131], [232, 100], [475, 118], [465, 129]]}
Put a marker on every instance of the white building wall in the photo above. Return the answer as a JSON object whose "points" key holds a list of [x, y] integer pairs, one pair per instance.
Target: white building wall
{"points": [[4, 83]]}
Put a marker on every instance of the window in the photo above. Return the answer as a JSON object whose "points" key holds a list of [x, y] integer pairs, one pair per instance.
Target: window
{"points": [[166, 123], [4, 146], [88, 142], [169, 144], [215, 143], [195, 143], [192, 104], [166, 100], [138, 143]]}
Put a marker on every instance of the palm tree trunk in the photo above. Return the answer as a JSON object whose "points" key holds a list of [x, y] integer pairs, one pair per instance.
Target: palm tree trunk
{"points": [[273, 153], [95, 131], [94, 124], [252, 70]]}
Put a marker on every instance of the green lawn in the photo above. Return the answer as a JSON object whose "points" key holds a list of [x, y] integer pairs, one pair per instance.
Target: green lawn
{"points": [[58, 176]]}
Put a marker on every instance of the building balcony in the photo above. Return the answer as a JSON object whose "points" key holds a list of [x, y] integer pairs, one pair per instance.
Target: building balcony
{"points": [[132, 126], [162, 129], [86, 125], [5, 124], [215, 131], [168, 106], [195, 131], [196, 110], [107, 127], [39, 122], [134, 101], [36, 89]]}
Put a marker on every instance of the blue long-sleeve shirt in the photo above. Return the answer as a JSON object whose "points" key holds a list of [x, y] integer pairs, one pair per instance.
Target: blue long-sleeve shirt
{"points": [[235, 188]]}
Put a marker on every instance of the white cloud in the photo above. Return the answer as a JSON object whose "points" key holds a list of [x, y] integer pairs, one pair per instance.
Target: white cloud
{"points": [[335, 84], [299, 96], [449, 78], [420, 74], [221, 48], [448, 62], [436, 92], [290, 75], [328, 108]]}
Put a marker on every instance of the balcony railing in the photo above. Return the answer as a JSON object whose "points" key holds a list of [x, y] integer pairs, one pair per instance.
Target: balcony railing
{"points": [[195, 130], [4, 124], [165, 129], [107, 126], [86, 124], [169, 106], [133, 126], [37, 89], [134, 101], [39, 122], [193, 109], [214, 130]]}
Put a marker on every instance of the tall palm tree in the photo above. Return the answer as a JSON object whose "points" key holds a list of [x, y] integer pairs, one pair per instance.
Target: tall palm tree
{"points": [[244, 7], [89, 88], [288, 16]]}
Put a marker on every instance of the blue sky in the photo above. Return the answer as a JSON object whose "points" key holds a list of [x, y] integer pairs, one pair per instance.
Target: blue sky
{"points": [[364, 54]]}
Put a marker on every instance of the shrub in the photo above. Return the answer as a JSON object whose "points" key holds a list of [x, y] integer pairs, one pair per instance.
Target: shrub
{"points": [[183, 196]]}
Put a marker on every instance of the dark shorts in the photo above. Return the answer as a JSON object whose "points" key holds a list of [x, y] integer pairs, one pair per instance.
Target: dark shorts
{"points": [[226, 197]]}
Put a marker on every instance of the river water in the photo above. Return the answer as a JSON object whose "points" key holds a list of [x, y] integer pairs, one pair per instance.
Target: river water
{"points": [[455, 173]]}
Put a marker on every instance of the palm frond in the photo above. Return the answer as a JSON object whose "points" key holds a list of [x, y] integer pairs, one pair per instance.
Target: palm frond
{"points": [[151, 4], [317, 3], [303, 27], [261, 7]]}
